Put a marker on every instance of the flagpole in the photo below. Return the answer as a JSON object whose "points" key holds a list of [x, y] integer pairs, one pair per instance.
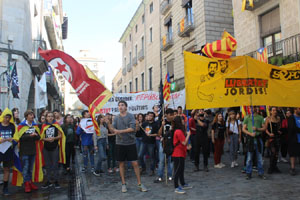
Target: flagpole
{"points": [[8, 69], [251, 99]]}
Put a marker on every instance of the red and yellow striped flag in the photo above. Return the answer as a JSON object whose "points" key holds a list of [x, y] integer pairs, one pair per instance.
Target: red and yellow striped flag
{"points": [[262, 55], [167, 88], [221, 49]]}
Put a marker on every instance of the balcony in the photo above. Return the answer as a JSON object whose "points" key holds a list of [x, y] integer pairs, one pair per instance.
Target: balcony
{"points": [[165, 6], [53, 28], [129, 67], [167, 41], [39, 65], [141, 55], [124, 71], [282, 52], [134, 61], [52, 85], [256, 4], [186, 25]]}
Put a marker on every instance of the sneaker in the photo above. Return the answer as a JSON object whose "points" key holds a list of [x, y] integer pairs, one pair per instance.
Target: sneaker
{"points": [[124, 188], [110, 170], [248, 177], [232, 165], [142, 188], [218, 166], [186, 186], [47, 185], [284, 160], [97, 173], [262, 176], [292, 172], [158, 180], [222, 165], [179, 190], [236, 164], [5, 191], [92, 169], [83, 170], [56, 185], [170, 178]]}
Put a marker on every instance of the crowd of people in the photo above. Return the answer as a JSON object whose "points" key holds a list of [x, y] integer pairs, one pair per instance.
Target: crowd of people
{"points": [[150, 143]]}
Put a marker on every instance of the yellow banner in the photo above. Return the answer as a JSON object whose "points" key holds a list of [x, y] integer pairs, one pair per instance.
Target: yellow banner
{"points": [[238, 81]]}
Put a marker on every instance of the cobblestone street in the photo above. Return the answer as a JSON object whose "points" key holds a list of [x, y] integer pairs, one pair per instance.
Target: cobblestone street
{"points": [[222, 184]]}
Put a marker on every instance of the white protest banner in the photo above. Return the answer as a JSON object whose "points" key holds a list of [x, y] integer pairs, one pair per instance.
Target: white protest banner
{"points": [[141, 102]]}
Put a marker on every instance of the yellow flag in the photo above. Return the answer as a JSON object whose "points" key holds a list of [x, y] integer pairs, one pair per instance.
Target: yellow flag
{"points": [[238, 81]]}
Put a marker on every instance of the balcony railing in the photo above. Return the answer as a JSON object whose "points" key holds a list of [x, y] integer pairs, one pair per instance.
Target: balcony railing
{"points": [[134, 61], [124, 71], [165, 6], [286, 50], [256, 4], [186, 25], [167, 41], [129, 67], [141, 55], [39, 65]]}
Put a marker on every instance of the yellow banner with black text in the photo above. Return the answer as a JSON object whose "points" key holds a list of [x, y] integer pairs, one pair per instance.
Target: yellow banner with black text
{"points": [[242, 80]]}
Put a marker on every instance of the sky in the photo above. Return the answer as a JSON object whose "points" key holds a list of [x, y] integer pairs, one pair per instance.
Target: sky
{"points": [[97, 25]]}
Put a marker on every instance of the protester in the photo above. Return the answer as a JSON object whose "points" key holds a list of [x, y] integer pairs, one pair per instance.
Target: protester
{"points": [[139, 132], [218, 137], [69, 130], [165, 130], [201, 142], [273, 130], [16, 116], [51, 134], [87, 143], [233, 133], [156, 109], [181, 114], [179, 153], [294, 139], [124, 128], [7, 131], [100, 143], [192, 125], [111, 158], [253, 130], [42, 120], [284, 137], [28, 134], [58, 117], [150, 131]]}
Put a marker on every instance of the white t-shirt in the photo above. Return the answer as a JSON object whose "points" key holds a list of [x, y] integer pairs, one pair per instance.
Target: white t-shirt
{"points": [[233, 127]]}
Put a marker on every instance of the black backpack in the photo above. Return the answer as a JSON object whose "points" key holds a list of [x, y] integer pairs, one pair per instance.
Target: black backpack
{"points": [[167, 144]]}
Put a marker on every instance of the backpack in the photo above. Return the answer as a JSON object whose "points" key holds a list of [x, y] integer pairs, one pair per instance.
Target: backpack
{"points": [[167, 144]]}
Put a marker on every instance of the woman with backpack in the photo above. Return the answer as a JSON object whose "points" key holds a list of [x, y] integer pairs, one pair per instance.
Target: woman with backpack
{"points": [[218, 138], [179, 153], [233, 133]]}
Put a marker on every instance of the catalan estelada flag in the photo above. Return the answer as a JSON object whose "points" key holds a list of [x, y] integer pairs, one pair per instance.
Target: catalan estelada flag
{"points": [[37, 173], [262, 55], [61, 142], [87, 86], [167, 88], [221, 49]]}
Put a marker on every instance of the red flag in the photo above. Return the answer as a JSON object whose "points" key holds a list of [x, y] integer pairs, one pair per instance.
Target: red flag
{"points": [[167, 88]]}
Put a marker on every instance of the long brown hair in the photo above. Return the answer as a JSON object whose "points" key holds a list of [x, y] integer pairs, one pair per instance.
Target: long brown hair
{"points": [[177, 124], [216, 119]]}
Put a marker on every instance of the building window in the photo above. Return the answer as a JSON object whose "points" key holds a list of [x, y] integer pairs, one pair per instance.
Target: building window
{"points": [[125, 89], [170, 68], [136, 85], [272, 42], [168, 25], [189, 12], [150, 33], [151, 7], [150, 78], [130, 57], [136, 28], [130, 86], [143, 19], [129, 37], [136, 50], [142, 41], [143, 81], [125, 61]]}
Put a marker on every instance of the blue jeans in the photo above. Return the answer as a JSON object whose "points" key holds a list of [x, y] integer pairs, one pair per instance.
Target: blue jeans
{"points": [[258, 156], [27, 163], [234, 142], [138, 147], [101, 143], [88, 150], [150, 148], [162, 163]]}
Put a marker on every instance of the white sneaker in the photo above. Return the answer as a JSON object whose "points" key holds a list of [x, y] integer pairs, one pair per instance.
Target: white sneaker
{"points": [[232, 165], [236, 164], [218, 166], [222, 165], [284, 160], [124, 188]]}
